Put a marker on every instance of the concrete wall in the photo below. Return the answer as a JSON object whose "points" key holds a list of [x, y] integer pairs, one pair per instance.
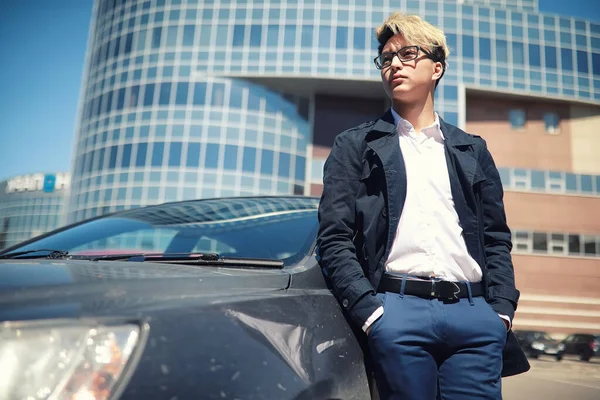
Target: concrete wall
{"points": [[553, 213], [585, 145], [530, 147]]}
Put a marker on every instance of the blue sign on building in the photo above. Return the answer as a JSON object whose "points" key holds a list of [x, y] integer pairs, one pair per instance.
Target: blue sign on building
{"points": [[49, 183]]}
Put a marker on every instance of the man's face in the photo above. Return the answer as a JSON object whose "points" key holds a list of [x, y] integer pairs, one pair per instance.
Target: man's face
{"points": [[408, 81]]}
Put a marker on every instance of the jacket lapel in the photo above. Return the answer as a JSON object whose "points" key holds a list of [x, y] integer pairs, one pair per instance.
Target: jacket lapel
{"points": [[384, 142], [464, 172], [463, 161]]}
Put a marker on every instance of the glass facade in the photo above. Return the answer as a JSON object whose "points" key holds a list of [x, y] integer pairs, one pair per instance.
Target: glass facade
{"points": [[31, 205], [174, 106], [525, 5], [556, 243], [552, 182]]}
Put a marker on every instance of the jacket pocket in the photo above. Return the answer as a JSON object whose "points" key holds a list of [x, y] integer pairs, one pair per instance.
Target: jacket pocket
{"points": [[383, 298]]}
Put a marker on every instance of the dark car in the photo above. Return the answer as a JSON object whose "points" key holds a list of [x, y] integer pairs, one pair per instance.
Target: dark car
{"points": [[208, 299], [584, 345], [539, 343]]}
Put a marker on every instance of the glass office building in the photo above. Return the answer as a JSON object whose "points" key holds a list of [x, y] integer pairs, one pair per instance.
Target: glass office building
{"points": [[31, 205], [186, 98]]}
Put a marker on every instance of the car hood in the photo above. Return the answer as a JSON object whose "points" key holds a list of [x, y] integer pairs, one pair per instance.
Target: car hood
{"points": [[29, 282], [17, 274]]}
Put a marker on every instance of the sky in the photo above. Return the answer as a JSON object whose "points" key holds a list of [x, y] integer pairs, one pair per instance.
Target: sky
{"points": [[43, 43], [42, 47]]}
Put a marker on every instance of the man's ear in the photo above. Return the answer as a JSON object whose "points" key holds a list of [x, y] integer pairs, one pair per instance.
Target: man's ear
{"points": [[438, 71]]}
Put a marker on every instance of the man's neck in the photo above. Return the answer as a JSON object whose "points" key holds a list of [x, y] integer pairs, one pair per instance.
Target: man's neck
{"points": [[420, 115]]}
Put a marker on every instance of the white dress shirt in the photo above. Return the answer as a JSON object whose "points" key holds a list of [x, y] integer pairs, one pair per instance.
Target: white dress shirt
{"points": [[429, 239]]}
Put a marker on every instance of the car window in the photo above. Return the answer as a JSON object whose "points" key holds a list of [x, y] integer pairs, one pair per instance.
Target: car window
{"points": [[524, 334], [238, 228], [542, 336]]}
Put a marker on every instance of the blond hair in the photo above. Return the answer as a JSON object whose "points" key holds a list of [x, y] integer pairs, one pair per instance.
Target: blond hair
{"points": [[416, 31]]}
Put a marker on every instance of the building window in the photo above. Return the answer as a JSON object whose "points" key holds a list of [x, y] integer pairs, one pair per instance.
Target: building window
{"points": [[551, 123], [574, 245], [540, 242], [517, 118], [284, 165], [266, 164], [300, 169], [538, 180], [521, 179], [485, 49], [589, 245], [557, 244], [231, 155], [317, 166], [521, 241], [586, 184], [505, 176], [571, 182], [556, 181]]}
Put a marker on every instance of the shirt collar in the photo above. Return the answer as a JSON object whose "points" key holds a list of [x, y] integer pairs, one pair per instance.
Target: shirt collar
{"points": [[406, 128]]}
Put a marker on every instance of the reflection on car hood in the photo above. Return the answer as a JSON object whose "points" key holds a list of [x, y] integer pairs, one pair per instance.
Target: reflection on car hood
{"points": [[77, 288], [28, 274]]}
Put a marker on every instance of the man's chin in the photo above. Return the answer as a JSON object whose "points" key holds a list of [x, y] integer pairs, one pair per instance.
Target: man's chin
{"points": [[404, 96]]}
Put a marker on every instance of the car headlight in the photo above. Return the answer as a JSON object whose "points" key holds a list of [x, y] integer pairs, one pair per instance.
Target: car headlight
{"points": [[63, 359], [561, 347], [537, 346]]}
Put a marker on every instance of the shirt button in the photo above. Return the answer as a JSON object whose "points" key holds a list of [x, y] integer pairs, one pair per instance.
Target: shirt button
{"points": [[345, 303]]}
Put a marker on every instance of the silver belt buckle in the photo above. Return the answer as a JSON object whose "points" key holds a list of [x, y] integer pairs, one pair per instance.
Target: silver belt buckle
{"points": [[455, 292]]}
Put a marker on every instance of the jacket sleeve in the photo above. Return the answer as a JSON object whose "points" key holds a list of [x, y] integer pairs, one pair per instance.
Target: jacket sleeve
{"points": [[503, 295], [337, 227]]}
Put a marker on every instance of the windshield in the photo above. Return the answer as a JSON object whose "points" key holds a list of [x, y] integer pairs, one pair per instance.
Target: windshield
{"points": [[541, 336], [269, 228]]}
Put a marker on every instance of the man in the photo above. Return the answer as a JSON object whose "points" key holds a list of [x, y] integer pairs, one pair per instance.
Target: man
{"points": [[413, 236]]}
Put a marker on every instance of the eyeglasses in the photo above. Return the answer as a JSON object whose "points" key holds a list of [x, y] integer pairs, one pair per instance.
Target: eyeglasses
{"points": [[405, 54]]}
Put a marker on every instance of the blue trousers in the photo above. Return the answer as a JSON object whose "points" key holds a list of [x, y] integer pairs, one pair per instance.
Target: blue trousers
{"points": [[425, 349]]}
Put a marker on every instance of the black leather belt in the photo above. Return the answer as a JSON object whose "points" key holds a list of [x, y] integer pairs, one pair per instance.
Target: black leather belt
{"points": [[430, 289]]}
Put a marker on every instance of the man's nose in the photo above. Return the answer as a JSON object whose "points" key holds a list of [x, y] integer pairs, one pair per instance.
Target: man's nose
{"points": [[396, 63]]}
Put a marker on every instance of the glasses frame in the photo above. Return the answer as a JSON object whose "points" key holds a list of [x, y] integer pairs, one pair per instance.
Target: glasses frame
{"points": [[397, 54]]}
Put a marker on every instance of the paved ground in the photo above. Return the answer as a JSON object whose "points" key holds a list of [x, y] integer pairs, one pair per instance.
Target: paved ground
{"points": [[568, 379]]}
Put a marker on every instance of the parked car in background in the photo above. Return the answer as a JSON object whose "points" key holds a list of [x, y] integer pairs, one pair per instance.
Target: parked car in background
{"points": [[207, 299], [583, 345], [539, 343]]}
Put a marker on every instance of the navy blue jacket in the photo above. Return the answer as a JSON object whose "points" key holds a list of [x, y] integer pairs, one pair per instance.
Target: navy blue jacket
{"points": [[363, 197]]}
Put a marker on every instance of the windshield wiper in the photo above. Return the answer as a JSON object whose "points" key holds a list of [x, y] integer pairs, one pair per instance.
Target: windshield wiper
{"points": [[212, 259], [140, 257], [52, 254], [216, 260]]}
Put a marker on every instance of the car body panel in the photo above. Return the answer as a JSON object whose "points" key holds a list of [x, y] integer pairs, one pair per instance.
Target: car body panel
{"points": [[539, 343], [213, 332], [583, 345]]}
